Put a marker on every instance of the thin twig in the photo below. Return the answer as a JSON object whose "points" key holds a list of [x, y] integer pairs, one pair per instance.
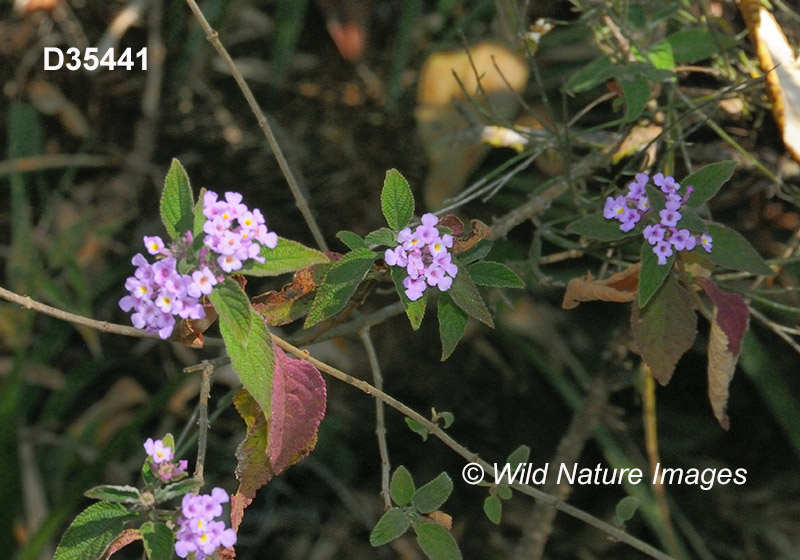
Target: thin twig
{"points": [[776, 328], [653, 456], [55, 161], [373, 391], [539, 525], [102, 326], [471, 457], [202, 419], [539, 202], [299, 199], [380, 422]]}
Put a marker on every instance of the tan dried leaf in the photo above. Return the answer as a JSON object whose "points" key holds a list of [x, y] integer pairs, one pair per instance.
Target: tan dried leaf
{"points": [[479, 232], [441, 518], [721, 367], [620, 288], [781, 69], [492, 76]]}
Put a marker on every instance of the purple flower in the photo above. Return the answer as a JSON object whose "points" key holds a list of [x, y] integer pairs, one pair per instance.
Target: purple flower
{"points": [[154, 245], [669, 218], [203, 281], [683, 240], [667, 184], [157, 450], [233, 230], [664, 236], [198, 532], [706, 242], [158, 293], [629, 219], [663, 250], [425, 255], [614, 207], [414, 287], [654, 233]]}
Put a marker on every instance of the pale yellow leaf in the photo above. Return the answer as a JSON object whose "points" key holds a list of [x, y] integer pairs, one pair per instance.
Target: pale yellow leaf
{"points": [[782, 71], [721, 367]]}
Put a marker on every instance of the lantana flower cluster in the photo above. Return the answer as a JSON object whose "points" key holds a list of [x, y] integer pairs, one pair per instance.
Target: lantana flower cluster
{"points": [[163, 467], [425, 255], [158, 293], [198, 532], [666, 236], [234, 234]]}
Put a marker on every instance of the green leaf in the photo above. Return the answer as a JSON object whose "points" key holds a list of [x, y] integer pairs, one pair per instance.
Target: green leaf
{"points": [[199, 219], [92, 532], [287, 256], [476, 252], [391, 525], [397, 202], [446, 417], [595, 226], [656, 197], [593, 74], [340, 284], [493, 508], [731, 250], [660, 55], [383, 236], [691, 221], [417, 428], [415, 310], [652, 274], [465, 295], [110, 493], [433, 494], [636, 90], [231, 302], [177, 202], [436, 542], [504, 491], [626, 507], [693, 45], [158, 539], [490, 273], [707, 181], [247, 341], [665, 329], [519, 456], [402, 486], [176, 489], [351, 240], [452, 322]]}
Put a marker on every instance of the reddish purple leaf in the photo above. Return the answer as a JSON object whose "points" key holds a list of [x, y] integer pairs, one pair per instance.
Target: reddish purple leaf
{"points": [[731, 315], [269, 448], [299, 397]]}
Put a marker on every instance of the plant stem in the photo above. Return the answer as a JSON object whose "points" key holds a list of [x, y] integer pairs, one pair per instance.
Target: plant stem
{"points": [[299, 199], [373, 391], [380, 422]]}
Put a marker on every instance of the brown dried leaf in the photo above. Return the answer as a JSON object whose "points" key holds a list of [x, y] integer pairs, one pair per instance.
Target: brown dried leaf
{"points": [[620, 288], [291, 302], [442, 518], [452, 151], [125, 538], [782, 71], [721, 367], [480, 231]]}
